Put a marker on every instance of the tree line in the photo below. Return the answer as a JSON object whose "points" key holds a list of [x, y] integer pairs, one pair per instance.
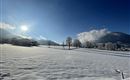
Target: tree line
{"points": [[19, 41], [118, 46]]}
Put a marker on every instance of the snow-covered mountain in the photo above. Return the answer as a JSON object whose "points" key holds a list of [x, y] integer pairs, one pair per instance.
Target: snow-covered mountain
{"points": [[6, 34], [115, 37]]}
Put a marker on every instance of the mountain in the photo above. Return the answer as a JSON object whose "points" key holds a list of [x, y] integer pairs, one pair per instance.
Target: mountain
{"points": [[115, 37], [10, 38], [5, 34], [46, 42]]}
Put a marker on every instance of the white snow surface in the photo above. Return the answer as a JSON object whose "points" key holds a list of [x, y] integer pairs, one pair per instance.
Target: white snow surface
{"points": [[55, 63]]}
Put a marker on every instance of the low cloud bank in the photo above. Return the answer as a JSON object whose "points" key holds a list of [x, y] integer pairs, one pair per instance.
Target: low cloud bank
{"points": [[92, 35], [6, 26]]}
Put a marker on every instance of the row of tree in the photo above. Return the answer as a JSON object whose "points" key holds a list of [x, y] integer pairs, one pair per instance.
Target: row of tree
{"points": [[76, 43], [112, 46], [106, 46]]}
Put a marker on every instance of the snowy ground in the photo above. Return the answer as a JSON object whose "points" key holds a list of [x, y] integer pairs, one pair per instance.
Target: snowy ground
{"points": [[43, 63]]}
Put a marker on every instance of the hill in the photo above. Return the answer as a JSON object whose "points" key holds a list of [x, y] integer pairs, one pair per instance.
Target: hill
{"points": [[115, 37]]}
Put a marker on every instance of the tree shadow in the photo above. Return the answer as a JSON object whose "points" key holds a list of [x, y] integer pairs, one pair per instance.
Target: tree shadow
{"points": [[64, 48]]}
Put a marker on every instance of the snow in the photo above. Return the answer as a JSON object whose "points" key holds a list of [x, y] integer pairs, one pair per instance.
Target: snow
{"points": [[127, 79], [55, 63]]}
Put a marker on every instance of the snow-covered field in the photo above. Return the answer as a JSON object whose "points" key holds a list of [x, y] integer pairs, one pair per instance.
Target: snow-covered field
{"points": [[55, 63]]}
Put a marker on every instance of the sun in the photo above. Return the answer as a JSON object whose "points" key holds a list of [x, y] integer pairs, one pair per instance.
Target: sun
{"points": [[24, 28]]}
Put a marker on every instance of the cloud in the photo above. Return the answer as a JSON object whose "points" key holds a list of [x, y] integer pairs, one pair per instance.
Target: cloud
{"points": [[41, 37], [23, 36], [8, 31], [92, 35], [7, 26]]}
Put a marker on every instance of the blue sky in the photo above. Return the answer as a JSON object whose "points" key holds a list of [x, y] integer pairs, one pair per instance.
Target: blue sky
{"points": [[57, 19]]}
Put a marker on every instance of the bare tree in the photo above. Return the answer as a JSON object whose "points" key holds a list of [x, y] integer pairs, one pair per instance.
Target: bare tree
{"points": [[49, 43], [76, 43], [108, 46], [69, 42], [90, 44], [63, 45], [101, 45], [111, 46]]}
